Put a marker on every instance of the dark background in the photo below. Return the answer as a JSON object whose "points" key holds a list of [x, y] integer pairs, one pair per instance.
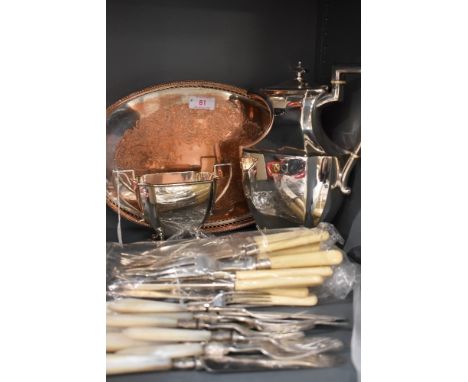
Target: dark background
{"points": [[247, 43]]}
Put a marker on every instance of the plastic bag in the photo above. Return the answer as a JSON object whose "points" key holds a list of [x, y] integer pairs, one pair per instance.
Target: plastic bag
{"points": [[283, 266], [339, 285], [356, 336]]}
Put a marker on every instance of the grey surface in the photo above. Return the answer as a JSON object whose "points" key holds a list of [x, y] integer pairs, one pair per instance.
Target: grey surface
{"points": [[343, 373]]}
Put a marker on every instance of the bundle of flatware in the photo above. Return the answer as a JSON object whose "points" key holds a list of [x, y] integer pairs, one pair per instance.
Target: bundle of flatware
{"points": [[274, 268], [188, 304], [233, 246], [145, 335]]}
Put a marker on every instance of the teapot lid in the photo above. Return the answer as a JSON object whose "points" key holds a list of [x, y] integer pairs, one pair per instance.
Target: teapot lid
{"points": [[298, 85]]}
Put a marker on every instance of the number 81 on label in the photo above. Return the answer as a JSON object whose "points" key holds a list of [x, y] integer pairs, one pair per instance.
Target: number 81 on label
{"points": [[202, 103]]}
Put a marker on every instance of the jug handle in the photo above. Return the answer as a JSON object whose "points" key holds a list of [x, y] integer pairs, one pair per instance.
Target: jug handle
{"points": [[344, 174], [215, 167]]}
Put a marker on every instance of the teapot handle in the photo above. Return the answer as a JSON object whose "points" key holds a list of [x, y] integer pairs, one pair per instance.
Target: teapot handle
{"points": [[337, 82]]}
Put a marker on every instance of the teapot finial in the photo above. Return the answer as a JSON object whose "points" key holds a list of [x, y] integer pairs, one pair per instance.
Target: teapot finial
{"points": [[300, 71]]}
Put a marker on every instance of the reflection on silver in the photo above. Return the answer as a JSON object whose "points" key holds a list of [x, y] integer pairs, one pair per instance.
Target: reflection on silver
{"points": [[297, 173], [173, 202], [293, 196], [246, 363], [262, 201]]}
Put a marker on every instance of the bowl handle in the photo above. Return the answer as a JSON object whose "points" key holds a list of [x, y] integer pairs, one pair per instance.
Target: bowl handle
{"points": [[215, 170], [129, 181]]}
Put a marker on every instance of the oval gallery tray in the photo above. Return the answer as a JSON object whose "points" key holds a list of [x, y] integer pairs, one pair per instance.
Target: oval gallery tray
{"points": [[183, 126]]}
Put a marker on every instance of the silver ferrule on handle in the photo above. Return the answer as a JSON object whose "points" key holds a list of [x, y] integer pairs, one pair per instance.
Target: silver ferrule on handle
{"points": [[244, 263], [222, 335], [187, 324], [263, 263], [186, 363]]}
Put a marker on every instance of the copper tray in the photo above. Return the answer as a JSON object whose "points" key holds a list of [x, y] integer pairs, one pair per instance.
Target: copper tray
{"points": [[157, 129]]}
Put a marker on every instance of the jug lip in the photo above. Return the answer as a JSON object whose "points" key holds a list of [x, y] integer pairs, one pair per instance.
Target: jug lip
{"points": [[176, 183]]}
